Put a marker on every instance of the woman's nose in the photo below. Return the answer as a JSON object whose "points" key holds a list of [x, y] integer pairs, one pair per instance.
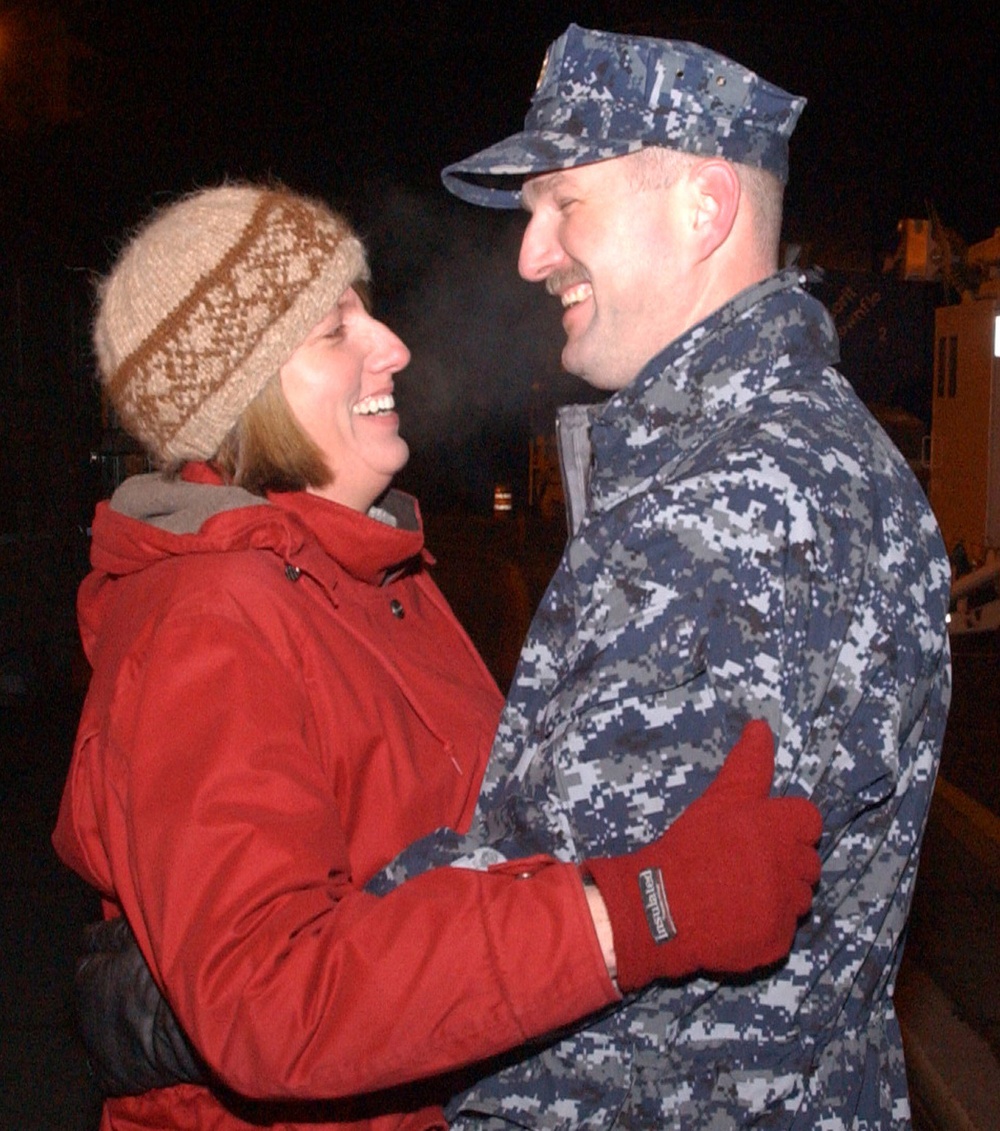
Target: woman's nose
{"points": [[391, 351]]}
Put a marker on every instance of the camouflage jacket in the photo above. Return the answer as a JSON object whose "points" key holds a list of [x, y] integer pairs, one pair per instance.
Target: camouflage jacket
{"points": [[752, 545]]}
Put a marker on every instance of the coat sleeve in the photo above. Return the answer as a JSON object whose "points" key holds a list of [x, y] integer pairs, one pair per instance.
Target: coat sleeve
{"points": [[229, 859]]}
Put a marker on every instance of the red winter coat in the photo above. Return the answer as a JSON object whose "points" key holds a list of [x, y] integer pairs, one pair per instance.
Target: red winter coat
{"points": [[281, 701]]}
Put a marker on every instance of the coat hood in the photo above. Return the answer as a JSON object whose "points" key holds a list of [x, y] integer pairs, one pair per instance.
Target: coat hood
{"points": [[152, 518]]}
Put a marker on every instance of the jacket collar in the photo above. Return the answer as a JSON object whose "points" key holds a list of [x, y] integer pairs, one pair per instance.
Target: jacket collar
{"points": [[369, 548], [151, 517], [766, 334]]}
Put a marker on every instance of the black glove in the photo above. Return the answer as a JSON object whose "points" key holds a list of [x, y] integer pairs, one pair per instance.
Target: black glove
{"points": [[132, 1038]]}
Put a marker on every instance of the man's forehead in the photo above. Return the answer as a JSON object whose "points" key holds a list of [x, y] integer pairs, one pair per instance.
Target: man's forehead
{"points": [[575, 177]]}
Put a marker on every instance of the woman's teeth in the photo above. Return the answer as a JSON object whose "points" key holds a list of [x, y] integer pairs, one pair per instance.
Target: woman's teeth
{"points": [[370, 406]]}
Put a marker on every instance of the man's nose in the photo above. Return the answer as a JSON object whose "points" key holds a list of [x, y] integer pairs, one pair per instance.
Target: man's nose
{"points": [[540, 253]]}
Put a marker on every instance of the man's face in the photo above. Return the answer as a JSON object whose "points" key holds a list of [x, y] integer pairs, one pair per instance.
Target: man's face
{"points": [[619, 260]]}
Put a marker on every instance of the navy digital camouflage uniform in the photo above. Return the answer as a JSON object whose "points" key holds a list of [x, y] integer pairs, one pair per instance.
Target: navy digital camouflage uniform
{"points": [[752, 545]]}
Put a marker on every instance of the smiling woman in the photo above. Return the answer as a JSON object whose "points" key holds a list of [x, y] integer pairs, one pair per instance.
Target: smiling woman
{"points": [[282, 700], [339, 385], [272, 715]]}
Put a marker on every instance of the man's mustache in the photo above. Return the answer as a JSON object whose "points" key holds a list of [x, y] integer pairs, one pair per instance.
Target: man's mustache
{"points": [[560, 281]]}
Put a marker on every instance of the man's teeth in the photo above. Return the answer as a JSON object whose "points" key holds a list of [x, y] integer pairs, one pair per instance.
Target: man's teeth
{"points": [[575, 294], [370, 406]]}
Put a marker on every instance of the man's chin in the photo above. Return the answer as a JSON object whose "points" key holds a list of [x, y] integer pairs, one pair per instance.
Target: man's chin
{"points": [[590, 373], [573, 363]]}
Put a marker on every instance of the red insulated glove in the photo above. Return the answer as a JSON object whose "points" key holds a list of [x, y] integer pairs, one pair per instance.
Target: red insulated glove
{"points": [[724, 887]]}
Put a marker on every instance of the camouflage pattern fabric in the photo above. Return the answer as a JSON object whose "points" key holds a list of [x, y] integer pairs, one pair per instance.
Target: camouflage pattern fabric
{"points": [[753, 545], [601, 95]]}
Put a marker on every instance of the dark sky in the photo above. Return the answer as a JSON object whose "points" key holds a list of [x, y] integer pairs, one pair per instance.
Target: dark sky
{"points": [[342, 97], [109, 107]]}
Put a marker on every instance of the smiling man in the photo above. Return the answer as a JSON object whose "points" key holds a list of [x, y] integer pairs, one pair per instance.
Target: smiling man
{"points": [[632, 279], [745, 540]]}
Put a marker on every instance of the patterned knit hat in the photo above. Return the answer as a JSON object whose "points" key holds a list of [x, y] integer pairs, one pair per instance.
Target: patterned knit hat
{"points": [[207, 302]]}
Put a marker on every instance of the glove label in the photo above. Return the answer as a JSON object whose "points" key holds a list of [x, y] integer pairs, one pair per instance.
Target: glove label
{"points": [[654, 903]]}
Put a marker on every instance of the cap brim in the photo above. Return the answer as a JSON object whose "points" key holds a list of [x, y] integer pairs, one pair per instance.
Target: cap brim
{"points": [[493, 177]]}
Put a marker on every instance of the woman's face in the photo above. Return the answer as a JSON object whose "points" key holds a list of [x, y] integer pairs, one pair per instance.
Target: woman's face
{"points": [[339, 385]]}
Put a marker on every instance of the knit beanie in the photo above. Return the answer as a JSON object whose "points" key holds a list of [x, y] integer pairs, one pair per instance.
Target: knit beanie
{"points": [[207, 302]]}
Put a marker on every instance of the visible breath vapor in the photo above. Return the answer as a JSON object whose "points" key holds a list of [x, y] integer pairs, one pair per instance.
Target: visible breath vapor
{"points": [[446, 281]]}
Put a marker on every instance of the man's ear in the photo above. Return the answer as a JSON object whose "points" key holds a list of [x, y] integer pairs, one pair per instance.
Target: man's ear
{"points": [[716, 203]]}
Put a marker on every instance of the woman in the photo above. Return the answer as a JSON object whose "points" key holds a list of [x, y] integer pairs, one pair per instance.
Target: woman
{"points": [[281, 701]]}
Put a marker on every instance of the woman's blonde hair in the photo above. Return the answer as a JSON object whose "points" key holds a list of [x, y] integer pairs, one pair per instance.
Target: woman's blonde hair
{"points": [[266, 449]]}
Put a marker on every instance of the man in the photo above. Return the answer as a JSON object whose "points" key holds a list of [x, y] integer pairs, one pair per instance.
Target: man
{"points": [[745, 541]]}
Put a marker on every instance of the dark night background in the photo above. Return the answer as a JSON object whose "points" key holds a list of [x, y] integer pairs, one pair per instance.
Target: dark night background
{"points": [[111, 107]]}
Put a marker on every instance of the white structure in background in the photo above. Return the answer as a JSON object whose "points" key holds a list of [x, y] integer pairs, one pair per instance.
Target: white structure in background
{"points": [[964, 447]]}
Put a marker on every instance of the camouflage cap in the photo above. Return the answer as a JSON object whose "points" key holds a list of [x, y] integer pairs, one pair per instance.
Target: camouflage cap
{"points": [[603, 95]]}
